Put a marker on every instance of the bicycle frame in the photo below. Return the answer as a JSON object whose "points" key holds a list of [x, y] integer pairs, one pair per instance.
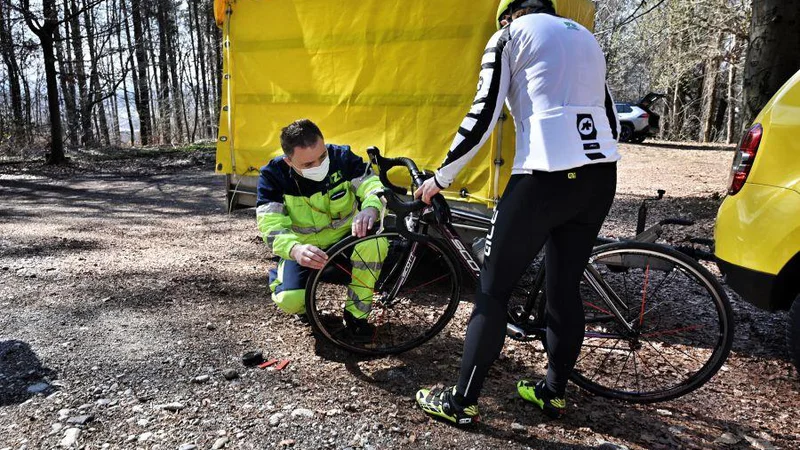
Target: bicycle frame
{"points": [[442, 224], [467, 261]]}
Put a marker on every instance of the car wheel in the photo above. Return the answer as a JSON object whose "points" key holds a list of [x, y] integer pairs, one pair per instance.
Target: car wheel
{"points": [[626, 132], [794, 333]]}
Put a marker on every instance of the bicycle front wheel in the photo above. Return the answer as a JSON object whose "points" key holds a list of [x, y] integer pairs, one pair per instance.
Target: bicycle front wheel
{"points": [[383, 294], [658, 324]]}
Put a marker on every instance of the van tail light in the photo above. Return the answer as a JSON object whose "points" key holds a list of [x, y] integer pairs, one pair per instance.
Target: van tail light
{"points": [[645, 115], [744, 158]]}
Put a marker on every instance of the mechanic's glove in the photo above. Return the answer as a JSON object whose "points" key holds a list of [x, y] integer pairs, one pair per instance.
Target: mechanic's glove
{"points": [[364, 220], [308, 256]]}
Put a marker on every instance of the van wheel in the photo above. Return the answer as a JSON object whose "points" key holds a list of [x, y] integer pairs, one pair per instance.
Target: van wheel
{"points": [[794, 333]]}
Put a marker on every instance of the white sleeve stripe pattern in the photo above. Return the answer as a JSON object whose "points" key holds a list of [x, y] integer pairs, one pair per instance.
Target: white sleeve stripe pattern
{"points": [[484, 111]]}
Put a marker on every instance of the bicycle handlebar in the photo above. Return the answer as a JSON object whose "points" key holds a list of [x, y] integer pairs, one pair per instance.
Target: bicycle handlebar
{"points": [[395, 204]]}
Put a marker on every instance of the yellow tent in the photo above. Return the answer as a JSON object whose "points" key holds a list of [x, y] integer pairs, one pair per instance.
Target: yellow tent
{"points": [[396, 75]]}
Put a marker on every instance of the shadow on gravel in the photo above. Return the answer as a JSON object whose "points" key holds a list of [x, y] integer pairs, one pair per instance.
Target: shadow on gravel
{"points": [[107, 202], [48, 247], [21, 373]]}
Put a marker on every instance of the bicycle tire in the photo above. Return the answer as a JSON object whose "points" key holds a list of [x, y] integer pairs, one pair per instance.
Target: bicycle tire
{"points": [[722, 308], [325, 328]]}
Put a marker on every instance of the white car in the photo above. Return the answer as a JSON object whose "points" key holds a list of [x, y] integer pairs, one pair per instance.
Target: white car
{"points": [[637, 121]]}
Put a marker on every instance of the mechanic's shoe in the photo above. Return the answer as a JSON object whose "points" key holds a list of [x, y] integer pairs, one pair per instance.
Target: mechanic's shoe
{"points": [[441, 404], [359, 329], [303, 319], [541, 396]]}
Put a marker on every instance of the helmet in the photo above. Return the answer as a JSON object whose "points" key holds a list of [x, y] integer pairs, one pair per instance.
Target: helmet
{"points": [[508, 6]]}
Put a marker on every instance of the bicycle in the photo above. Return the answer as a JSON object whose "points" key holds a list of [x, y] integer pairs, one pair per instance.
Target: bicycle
{"points": [[642, 344]]}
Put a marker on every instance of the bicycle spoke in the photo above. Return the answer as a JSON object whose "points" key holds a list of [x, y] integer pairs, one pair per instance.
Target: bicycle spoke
{"points": [[678, 324], [636, 370], [426, 284], [359, 286], [585, 356], [655, 293], [644, 294], [349, 273], [598, 346], [675, 311], [616, 383], [366, 264], [604, 360], [668, 332], [662, 356]]}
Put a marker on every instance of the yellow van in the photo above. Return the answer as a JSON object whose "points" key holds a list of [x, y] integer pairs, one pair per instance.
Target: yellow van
{"points": [[757, 232]]}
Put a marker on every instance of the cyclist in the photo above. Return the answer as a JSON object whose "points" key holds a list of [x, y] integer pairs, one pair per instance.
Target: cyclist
{"points": [[551, 71], [308, 199]]}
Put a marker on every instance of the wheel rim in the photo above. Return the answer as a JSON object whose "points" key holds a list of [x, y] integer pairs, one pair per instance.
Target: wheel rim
{"points": [[419, 310], [680, 334]]}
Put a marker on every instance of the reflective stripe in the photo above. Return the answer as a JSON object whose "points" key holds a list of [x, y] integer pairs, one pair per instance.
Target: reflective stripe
{"points": [[306, 230], [373, 266], [338, 223], [374, 192], [272, 235], [360, 305], [273, 207], [368, 175]]}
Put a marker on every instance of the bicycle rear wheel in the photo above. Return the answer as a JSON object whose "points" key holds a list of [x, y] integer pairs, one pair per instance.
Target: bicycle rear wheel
{"points": [[677, 329], [406, 290]]}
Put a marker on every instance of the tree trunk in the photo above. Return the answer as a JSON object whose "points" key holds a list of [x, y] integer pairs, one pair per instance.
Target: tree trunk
{"points": [[27, 122], [12, 68], [143, 99], [153, 77], [709, 99], [95, 92], [733, 61], [173, 48], [201, 58], [677, 104], [87, 136], [56, 155], [67, 86], [215, 39], [164, 107], [123, 65], [199, 118], [134, 71], [773, 56], [45, 35]]}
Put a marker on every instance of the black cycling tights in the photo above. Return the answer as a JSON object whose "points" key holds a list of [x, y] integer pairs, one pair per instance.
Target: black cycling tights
{"points": [[563, 210]]}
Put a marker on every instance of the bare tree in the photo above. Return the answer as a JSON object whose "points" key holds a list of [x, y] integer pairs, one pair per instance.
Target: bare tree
{"points": [[143, 97], [44, 30], [12, 70]]}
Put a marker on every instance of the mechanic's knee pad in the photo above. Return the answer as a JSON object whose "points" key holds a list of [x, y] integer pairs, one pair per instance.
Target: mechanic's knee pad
{"points": [[291, 302]]}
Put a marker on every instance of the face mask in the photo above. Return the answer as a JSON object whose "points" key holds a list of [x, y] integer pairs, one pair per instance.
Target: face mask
{"points": [[317, 173]]}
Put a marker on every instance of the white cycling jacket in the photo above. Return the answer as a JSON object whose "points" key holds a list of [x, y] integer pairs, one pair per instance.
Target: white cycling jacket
{"points": [[551, 72]]}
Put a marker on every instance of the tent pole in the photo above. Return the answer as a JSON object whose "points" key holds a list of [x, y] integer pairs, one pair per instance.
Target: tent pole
{"points": [[498, 160], [226, 43]]}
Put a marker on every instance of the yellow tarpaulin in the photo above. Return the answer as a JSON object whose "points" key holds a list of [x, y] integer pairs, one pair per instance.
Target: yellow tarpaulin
{"points": [[396, 75]]}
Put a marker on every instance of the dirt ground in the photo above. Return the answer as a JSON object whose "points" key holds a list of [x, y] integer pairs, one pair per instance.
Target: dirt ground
{"points": [[126, 291]]}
